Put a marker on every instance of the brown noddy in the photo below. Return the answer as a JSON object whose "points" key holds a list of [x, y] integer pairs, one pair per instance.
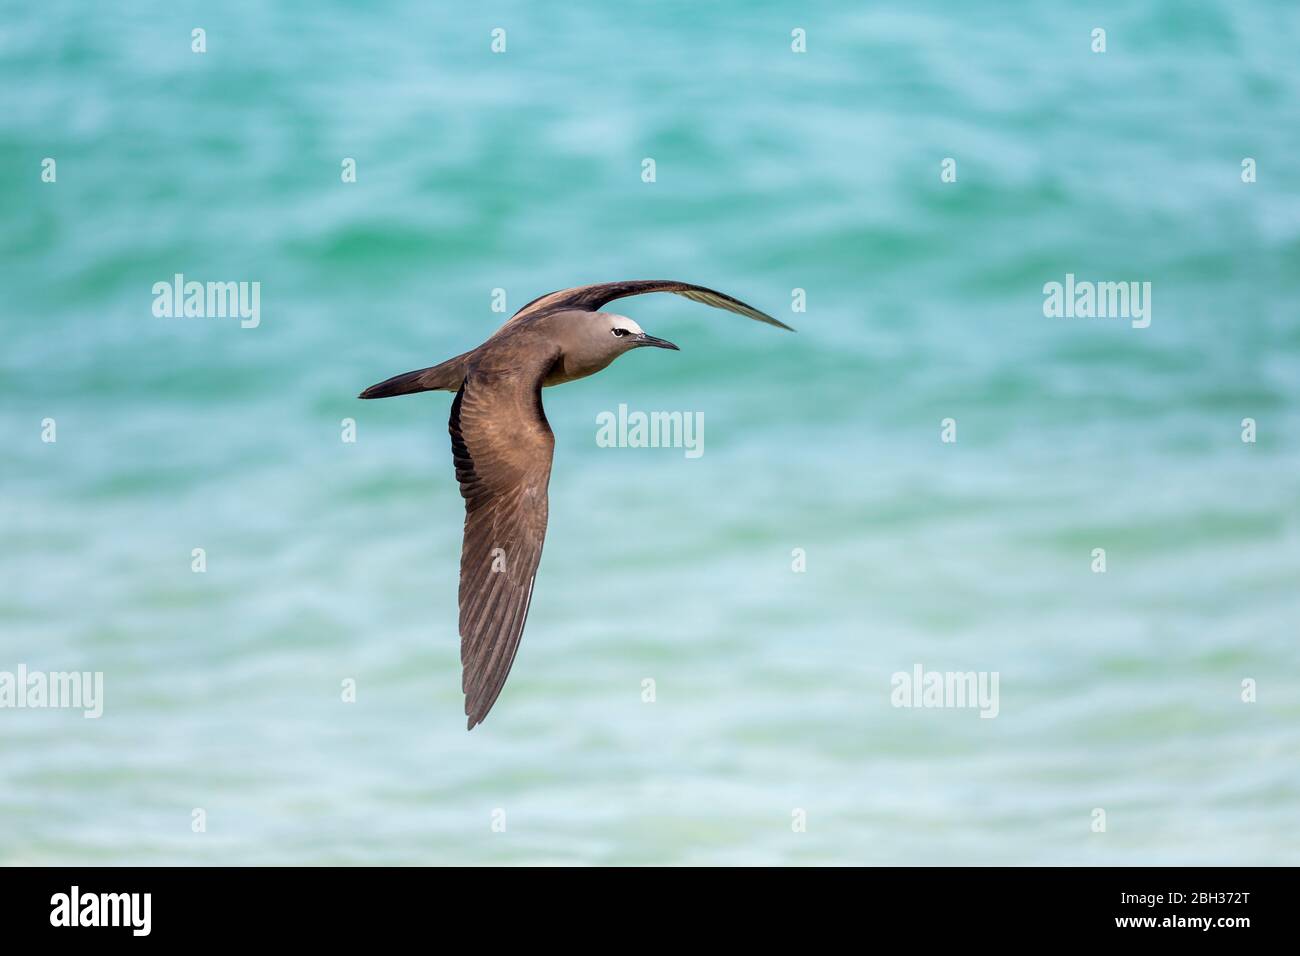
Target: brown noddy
{"points": [[502, 446]]}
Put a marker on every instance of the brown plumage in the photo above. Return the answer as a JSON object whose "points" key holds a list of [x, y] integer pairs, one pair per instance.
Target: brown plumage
{"points": [[502, 446]]}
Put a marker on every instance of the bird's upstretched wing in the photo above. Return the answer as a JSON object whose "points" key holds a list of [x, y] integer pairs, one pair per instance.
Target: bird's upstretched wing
{"points": [[502, 447], [593, 297]]}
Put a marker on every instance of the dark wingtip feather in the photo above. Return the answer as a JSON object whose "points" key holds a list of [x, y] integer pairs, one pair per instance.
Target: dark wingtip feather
{"points": [[764, 317]]}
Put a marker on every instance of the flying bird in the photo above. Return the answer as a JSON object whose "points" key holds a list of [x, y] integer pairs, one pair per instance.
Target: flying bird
{"points": [[502, 445]]}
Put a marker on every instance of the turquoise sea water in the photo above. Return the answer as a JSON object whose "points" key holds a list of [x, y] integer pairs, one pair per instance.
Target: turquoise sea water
{"points": [[330, 561]]}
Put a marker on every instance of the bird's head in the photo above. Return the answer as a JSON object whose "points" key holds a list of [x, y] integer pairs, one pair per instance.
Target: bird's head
{"points": [[618, 334], [591, 340]]}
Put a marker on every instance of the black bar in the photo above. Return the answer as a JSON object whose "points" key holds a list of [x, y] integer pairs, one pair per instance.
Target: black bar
{"points": [[334, 906]]}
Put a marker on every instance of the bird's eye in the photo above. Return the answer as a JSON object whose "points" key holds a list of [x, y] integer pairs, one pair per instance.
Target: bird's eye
{"points": [[619, 332]]}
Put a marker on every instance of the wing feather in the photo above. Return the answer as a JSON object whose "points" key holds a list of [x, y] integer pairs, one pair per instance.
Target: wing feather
{"points": [[593, 297], [502, 446]]}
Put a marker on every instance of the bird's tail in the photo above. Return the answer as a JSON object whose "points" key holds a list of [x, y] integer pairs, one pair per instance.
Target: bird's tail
{"points": [[446, 376]]}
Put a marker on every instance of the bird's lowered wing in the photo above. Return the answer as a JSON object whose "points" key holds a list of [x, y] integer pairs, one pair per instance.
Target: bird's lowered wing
{"points": [[593, 297], [502, 446]]}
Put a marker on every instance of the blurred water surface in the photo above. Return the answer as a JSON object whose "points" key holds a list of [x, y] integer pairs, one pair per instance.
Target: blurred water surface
{"points": [[330, 561]]}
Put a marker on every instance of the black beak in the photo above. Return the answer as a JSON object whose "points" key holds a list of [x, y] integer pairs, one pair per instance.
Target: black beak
{"points": [[643, 339]]}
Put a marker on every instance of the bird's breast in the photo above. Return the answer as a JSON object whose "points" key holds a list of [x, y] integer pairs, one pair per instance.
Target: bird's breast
{"points": [[569, 367]]}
